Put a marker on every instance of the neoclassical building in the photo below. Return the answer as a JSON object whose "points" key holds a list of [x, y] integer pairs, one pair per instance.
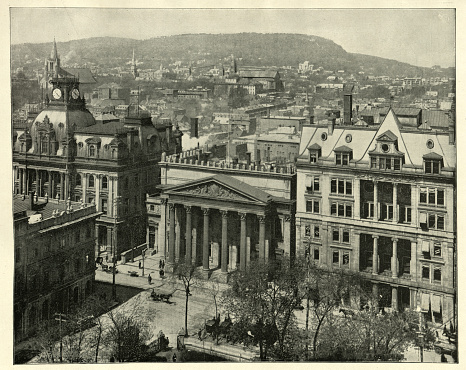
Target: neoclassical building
{"points": [[221, 216], [381, 201], [66, 155]]}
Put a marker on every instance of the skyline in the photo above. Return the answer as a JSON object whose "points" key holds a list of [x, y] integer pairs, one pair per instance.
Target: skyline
{"points": [[421, 37]]}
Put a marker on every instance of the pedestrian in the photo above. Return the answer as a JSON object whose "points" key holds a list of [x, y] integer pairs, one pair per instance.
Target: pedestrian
{"points": [[161, 273], [174, 357], [106, 258], [149, 279], [163, 264], [139, 264], [160, 264]]}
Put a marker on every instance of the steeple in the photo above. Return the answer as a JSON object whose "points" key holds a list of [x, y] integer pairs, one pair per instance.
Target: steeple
{"points": [[54, 54]]}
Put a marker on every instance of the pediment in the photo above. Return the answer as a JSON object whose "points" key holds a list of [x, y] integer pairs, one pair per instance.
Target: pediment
{"points": [[387, 136], [214, 189]]}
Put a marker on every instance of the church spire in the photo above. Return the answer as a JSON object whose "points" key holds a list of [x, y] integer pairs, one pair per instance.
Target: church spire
{"points": [[54, 54]]}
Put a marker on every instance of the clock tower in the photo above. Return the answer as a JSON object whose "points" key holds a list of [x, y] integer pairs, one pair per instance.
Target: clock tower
{"points": [[65, 92]]}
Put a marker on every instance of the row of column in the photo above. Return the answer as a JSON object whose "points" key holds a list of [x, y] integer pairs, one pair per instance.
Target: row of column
{"points": [[174, 242], [24, 183], [394, 261]]}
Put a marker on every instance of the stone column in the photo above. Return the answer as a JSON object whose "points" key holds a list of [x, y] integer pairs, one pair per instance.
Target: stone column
{"points": [[162, 235], [171, 236], [37, 183], [110, 193], [242, 254], [261, 219], [395, 298], [52, 181], [205, 244], [287, 235], [356, 251], [62, 186], [224, 254], [189, 237], [96, 236], [395, 258], [357, 198], [376, 201], [413, 262], [375, 256], [395, 203], [98, 206], [177, 233], [49, 186]]}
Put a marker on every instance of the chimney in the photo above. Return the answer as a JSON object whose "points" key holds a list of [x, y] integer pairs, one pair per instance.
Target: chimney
{"points": [[331, 123], [347, 109]]}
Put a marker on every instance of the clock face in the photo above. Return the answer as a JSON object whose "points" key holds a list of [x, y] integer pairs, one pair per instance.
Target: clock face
{"points": [[75, 93], [56, 94]]}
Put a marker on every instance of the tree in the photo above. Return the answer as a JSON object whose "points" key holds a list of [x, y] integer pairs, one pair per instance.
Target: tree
{"points": [[370, 336], [127, 336], [237, 98], [187, 273], [262, 300]]}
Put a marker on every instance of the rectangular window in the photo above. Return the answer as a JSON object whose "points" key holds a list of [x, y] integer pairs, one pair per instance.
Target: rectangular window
{"points": [[345, 158], [341, 187], [425, 272], [333, 186], [435, 167], [437, 250], [346, 236], [349, 210], [316, 254], [316, 206], [313, 156], [333, 209], [407, 215], [396, 164], [437, 274], [312, 206], [336, 235], [104, 206], [349, 188], [341, 210], [440, 222], [307, 230], [423, 195], [316, 184], [388, 163], [431, 196], [338, 159], [431, 221], [346, 259], [381, 163], [373, 162], [317, 232], [440, 197], [336, 257], [309, 206], [368, 209]]}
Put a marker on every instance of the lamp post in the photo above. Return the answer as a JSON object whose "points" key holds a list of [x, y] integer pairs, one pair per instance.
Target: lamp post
{"points": [[115, 202], [421, 335]]}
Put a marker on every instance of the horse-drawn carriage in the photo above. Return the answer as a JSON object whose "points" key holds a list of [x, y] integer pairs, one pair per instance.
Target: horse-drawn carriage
{"points": [[160, 294], [217, 329]]}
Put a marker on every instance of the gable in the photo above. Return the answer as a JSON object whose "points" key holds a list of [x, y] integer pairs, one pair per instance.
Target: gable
{"points": [[221, 187], [387, 136]]}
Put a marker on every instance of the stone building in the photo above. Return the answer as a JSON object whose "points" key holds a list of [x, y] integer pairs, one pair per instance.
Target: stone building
{"points": [[220, 216], [381, 201], [54, 259], [65, 155]]}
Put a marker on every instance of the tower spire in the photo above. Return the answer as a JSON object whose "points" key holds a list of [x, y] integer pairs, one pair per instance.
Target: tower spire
{"points": [[54, 54]]}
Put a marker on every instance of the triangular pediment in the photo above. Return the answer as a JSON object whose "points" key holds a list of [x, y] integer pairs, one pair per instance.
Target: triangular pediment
{"points": [[221, 187], [387, 136]]}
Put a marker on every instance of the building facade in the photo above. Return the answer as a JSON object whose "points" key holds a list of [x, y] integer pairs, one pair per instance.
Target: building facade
{"points": [[66, 155], [220, 216], [54, 259], [380, 201]]}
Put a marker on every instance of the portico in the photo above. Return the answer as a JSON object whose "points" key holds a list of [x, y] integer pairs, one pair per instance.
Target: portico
{"points": [[203, 218]]}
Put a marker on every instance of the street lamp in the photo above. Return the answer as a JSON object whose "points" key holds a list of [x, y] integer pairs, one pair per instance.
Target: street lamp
{"points": [[421, 335], [115, 202]]}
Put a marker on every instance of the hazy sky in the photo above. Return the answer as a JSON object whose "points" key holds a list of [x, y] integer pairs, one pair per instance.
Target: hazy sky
{"points": [[422, 37]]}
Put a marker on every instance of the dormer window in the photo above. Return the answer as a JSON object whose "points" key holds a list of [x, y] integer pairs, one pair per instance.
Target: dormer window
{"points": [[386, 155], [315, 152], [432, 163], [343, 155]]}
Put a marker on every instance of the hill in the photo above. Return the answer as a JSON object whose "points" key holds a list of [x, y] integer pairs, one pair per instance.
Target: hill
{"points": [[252, 48]]}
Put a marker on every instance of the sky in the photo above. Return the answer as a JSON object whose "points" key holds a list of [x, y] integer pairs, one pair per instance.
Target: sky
{"points": [[422, 37]]}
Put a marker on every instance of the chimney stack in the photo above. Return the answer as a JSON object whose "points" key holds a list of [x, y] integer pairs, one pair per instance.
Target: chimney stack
{"points": [[331, 123], [348, 104]]}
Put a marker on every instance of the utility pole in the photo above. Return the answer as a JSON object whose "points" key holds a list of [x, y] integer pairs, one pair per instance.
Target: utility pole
{"points": [[115, 201]]}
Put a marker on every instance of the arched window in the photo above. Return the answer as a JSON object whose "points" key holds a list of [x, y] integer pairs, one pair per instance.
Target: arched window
{"points": [[91, 151], [113, 153], [91, 181], [104, 182], [78, 179]]}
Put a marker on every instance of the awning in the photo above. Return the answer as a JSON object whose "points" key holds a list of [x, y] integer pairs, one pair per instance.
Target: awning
{"points": [[425, 246], [436, 303], [425, 301], [423, 218]]}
